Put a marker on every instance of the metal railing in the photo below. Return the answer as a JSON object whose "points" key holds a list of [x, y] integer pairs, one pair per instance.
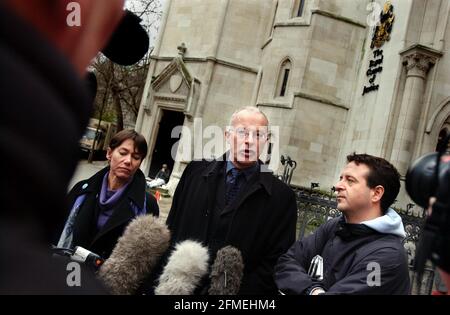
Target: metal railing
{"points": [[289, 166]]}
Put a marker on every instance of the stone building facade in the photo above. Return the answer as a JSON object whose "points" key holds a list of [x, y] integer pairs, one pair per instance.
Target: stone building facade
{"points": [[317, 71]]}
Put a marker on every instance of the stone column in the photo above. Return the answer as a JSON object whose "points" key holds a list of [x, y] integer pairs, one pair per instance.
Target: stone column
{"points": [[417, 61]]}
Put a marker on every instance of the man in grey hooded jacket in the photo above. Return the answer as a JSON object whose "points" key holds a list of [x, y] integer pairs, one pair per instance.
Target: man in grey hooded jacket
{"points": [[360, 252]]}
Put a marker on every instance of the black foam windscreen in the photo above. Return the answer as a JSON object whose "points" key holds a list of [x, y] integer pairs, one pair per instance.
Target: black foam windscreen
{"points": [[129, 42], [91, 83]]}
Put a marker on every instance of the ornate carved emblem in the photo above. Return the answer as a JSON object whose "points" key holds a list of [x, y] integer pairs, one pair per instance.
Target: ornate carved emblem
{"points": [[382, 32], [175, 82]]}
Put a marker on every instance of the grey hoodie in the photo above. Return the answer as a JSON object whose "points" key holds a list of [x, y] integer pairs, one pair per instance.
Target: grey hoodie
{"points": [[390, 223]]}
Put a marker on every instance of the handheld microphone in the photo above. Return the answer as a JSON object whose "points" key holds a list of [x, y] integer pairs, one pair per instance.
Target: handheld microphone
{"points": [[226, 272], [136, 254], [315, 270], [81, 255], [87, 257], [187, 265]]}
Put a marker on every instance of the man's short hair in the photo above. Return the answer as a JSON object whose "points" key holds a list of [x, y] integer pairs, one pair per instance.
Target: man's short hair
{"points": [[252, 109], [140, 144], [382, 173]]}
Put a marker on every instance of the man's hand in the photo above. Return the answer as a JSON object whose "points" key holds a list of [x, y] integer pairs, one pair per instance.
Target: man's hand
{"points": [[430, 205], [317, 291]]}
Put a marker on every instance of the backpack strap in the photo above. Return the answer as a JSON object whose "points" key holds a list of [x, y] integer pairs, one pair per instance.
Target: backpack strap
{"points": [[66, 238], [138, 210]]}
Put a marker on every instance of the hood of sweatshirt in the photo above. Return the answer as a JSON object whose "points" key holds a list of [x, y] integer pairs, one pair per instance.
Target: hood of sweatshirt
{"points": [[390, 223]]}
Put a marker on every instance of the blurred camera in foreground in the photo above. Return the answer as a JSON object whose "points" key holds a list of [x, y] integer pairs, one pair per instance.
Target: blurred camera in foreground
{"points": [[428, 177]]}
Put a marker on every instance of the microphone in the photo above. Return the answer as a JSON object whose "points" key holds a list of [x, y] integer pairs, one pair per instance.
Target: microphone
{"points": [[129, 43], [315, 270], [226, 272], [87, 257], [187, 265], [136, 254], [91, 83], [81, 255]]}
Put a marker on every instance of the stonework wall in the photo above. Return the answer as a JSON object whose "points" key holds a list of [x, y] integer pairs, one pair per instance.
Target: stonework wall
{"points": [[235, 49], [194, 22], [244, 31]]}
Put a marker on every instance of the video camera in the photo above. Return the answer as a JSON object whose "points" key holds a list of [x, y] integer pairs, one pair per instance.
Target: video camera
{"points": [[429, 176]]}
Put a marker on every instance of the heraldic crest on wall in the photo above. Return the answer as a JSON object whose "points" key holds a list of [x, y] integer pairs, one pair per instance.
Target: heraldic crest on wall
{"points": [[382, 32]]}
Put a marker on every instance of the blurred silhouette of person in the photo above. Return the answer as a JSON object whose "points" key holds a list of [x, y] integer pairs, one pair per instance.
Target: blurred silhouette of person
{"points": [[45, 109], [161, 178]]}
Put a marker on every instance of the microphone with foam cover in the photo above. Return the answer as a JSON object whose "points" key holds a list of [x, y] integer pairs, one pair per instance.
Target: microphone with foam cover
{"points": [[129, 43], [136, 254], [226, 272], [185, 269]]}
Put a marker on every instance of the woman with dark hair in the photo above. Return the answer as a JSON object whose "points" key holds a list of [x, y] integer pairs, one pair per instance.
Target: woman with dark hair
{"points": [[103, 205]]}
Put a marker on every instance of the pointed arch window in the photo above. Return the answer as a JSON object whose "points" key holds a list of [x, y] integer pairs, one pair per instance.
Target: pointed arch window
{"points": [[283, 78], [298, 8]]}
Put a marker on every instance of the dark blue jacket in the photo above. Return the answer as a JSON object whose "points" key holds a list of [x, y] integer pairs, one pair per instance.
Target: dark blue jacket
{"points": [[351, 255]]}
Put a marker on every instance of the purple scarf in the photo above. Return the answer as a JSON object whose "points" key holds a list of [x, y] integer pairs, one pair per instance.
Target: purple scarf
{"points": [[108, 200]]}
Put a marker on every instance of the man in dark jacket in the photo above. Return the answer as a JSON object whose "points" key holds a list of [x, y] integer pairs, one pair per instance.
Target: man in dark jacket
{"points": [[44, 110], [161, 178], [232, 202], [362, 250], [164, 173]]}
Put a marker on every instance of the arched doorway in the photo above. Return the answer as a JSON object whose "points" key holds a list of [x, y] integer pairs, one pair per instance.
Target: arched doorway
{"points": [[164, 142]]}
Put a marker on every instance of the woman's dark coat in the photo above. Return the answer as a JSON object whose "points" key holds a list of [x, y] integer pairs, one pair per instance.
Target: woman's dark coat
{"points": [[102, 242]]}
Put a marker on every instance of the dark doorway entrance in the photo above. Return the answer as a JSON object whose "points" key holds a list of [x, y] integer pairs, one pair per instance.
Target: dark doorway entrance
{"points": [[441, 138], [164, 141]]}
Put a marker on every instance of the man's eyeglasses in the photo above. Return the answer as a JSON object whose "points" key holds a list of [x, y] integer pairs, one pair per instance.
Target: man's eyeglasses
{"points": [[243, 133]]}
